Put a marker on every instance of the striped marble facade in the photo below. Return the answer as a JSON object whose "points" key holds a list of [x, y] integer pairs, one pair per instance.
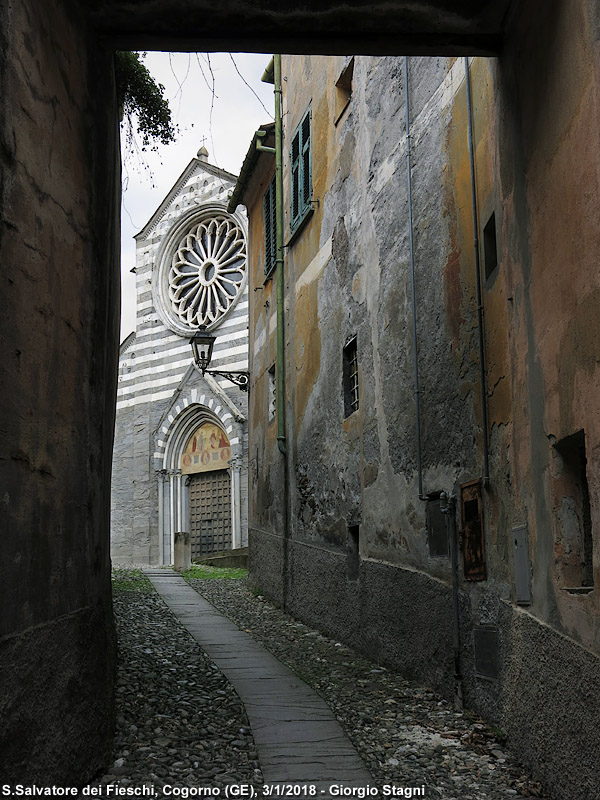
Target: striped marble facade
{"points": [[161, 395]]}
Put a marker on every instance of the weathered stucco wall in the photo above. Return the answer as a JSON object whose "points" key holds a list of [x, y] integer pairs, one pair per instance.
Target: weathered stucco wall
{"points": [[58, 326], [347, 274], [552, 178]]}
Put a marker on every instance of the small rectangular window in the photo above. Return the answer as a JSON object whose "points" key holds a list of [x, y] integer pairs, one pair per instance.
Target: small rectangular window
{"points": [[270, 228], [574, 544], [353, 561], [490, 250], [301, 168], [272, 388], [350, 377], [343, 90]]}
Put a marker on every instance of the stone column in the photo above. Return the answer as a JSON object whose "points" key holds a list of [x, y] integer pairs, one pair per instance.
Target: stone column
{"points": [[179, 501], [171, 530], [235, 464], [161, 477]]}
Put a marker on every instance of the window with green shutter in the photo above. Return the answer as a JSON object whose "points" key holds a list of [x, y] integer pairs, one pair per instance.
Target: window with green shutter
{"points": [[301, 172], [270, 228]]}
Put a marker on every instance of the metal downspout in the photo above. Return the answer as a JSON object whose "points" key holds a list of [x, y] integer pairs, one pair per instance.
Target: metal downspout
{"points": [[482, 370], [448, 507], [279, 278], [412, 287], [281, 443]]}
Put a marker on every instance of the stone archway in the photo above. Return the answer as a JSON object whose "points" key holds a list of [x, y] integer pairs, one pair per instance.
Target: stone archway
{"points": [[174, 478]]}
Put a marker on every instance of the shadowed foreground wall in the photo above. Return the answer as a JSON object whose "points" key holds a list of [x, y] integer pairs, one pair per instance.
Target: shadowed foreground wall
{"points": [[58, 327]]}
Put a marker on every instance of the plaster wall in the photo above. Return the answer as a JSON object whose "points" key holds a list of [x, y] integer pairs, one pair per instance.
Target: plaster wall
{"points": [[59, 328], [347, 274]]}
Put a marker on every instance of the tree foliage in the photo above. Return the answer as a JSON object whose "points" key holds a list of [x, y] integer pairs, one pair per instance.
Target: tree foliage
{"points": [[143, 106]]}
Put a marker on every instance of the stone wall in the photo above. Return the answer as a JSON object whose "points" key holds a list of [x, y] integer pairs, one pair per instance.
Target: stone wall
{"points": [[59, 179], [348, 275]]}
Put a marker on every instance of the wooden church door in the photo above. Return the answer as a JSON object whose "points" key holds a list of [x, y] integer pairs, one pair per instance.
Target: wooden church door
{"points": [[210, 512]]}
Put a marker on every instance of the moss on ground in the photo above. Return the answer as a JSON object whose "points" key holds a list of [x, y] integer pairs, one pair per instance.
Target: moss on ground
{"points": [[130, 580], [215, 573]]}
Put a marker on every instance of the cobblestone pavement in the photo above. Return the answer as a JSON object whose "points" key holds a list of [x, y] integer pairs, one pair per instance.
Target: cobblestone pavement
{"points": [[405, 734], [179, 721]]}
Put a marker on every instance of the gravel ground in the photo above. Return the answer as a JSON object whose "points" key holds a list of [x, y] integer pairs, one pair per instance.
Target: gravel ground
{"points": [[179, 721], [405, 734]]}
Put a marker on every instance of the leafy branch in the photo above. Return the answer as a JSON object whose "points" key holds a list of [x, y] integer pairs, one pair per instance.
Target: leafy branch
{"points": [[142, 103]]}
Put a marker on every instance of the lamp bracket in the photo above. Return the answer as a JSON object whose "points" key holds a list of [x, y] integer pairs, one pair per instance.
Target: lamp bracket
{"points": [[240, 378]]}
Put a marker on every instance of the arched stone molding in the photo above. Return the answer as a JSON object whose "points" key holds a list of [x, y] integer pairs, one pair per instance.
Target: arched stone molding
{"points": [[183, 419]]}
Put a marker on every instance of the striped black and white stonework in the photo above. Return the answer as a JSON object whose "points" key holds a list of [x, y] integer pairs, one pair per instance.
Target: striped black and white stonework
{"points": [[161, 395]]}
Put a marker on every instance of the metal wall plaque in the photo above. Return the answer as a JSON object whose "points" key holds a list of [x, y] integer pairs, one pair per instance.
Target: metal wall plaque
{"points": [[521, 554], [473, 541], [487, 660], [437, 529]]}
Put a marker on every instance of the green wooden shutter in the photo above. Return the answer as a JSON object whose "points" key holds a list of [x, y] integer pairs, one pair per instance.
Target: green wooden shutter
{"points": [[306, 164], [295, 177], [270, 228], [301, 162]]}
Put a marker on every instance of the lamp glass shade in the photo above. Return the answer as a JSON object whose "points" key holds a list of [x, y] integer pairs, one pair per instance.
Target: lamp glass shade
{"points": [[202, 346]]}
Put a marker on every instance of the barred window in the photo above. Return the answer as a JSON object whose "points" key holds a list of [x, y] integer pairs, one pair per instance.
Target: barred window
{"points": [[272, 388], [350, 377], [270, 229], [301, 172]]}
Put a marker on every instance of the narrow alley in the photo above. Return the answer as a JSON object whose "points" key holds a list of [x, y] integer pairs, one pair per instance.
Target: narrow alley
{"points": [[361, 360], [182, 729]]}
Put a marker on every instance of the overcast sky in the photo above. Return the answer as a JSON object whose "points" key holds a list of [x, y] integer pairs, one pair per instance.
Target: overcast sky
{"points": [[236, 114]]}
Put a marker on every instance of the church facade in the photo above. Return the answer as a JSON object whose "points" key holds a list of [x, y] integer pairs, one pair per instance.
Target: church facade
{"points": [[180, 453]]}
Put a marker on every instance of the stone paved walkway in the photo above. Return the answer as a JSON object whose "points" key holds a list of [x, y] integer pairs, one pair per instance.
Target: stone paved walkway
{"points": [[297, 737], [405, 734]]}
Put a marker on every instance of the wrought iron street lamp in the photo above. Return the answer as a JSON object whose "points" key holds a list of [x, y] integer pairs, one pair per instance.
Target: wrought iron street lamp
{"points": [[202, 347]]}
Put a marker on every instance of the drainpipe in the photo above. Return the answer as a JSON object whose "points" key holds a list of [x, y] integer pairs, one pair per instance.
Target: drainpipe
{"points": [[448, 507], [412, 288], [281, 443], [273, 75], [482, 379]]}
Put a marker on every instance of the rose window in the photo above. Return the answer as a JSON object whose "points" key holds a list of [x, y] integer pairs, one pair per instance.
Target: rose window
{"points": [[207, 271]]}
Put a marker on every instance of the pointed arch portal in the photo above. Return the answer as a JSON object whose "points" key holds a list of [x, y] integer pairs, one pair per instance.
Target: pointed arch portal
{"points": [[199, 482]]}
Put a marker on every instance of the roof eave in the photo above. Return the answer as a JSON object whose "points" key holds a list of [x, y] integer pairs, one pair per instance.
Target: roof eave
{"points": [[248, 167]]}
